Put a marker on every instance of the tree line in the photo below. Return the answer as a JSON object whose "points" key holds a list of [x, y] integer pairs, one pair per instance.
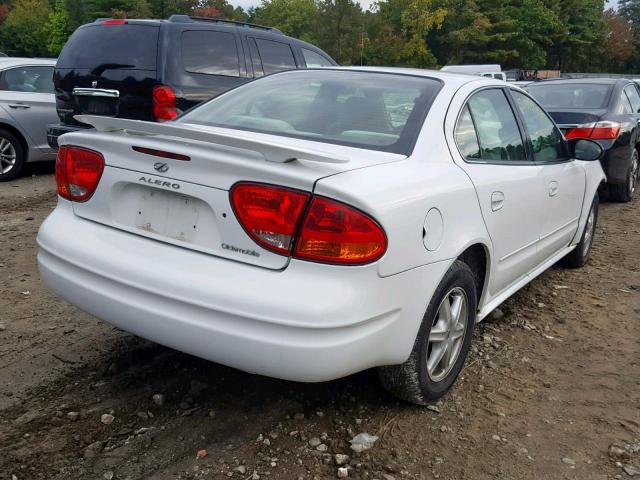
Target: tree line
{"points": [[567, 35]]}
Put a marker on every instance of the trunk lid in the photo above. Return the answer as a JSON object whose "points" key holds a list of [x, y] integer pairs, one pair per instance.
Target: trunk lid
{"points": [[108, 69], [186, 202], [567, 119]]}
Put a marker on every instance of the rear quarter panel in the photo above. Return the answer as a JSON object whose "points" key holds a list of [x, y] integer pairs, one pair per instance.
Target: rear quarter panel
{"points": [[400, 195]]}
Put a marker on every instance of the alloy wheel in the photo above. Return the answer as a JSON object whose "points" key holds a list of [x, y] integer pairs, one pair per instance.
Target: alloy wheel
{"points": [[588, 231], [447, 334], [7, 156], [633, 176]]}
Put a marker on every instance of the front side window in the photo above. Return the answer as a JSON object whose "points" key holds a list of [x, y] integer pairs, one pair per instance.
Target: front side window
{"points": [[314, 60], [210, 53], [498, 132], [275, 56], [28, 79], [376, 111], [546, 140]]}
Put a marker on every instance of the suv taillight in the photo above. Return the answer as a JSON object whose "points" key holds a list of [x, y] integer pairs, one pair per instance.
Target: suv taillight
{"points": [[78, 171], [292, 222], [164, 103], [604, 130]]}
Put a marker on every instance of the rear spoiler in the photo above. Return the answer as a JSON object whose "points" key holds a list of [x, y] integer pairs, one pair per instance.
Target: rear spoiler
{"points": [[271, 151]]}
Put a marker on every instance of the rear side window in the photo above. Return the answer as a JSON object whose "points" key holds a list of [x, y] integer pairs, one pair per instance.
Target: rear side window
{"points": [[624, 105], [27, 79], [634, 97], [498, 131], [210, 53], [466, 137], [103, 47], [314, 60], [276, 56], [255, 58]]}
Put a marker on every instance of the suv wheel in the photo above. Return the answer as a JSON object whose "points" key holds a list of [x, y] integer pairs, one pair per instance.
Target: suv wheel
{"points": [[12, 156], [624, 192], [442, 343]]}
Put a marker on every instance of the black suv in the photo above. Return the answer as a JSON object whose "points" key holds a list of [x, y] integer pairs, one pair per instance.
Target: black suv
{"points": [[156, 69]]}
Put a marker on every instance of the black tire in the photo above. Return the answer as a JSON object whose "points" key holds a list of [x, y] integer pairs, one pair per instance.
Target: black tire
{"points": [[624, 193], [411, 381], [12, 171], [579, 256]]}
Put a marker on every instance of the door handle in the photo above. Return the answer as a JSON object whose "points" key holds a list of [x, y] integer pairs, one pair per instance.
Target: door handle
{"points": [[553, 188], [18, 105], [497, 201]]}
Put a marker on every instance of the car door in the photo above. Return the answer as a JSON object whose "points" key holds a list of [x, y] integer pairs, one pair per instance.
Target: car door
{"points": [[26, 95], [564, 178], [508, 184]]}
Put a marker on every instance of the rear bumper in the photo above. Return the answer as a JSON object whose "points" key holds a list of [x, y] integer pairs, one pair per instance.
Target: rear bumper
{"points": [[309, 322], [54, 130]]}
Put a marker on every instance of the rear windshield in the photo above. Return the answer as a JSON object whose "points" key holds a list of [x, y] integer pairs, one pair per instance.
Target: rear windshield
{"points": [[111, 46], [377, 111], [573, 95]]}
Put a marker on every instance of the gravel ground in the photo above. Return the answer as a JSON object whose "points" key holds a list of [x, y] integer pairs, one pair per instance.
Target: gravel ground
{"points": [[551, 389]]}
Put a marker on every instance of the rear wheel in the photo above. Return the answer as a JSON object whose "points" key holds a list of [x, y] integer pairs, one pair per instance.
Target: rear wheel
{"points": [[579, 256], [12, 156], [624, 192], [442, 343]]}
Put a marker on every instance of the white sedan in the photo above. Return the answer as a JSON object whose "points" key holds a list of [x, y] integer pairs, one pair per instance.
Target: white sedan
{"points": [[315, 223]]}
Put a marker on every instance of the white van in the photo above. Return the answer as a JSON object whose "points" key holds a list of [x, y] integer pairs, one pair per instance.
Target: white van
{"points": [[489, 70]]}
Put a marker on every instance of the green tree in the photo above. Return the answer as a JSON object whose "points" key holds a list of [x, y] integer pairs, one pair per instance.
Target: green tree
{"points": [[578, 46], [339, 30], [57, 29], [406, 25], [294, 17], [76, 13], [23, 32], [463, 35]]}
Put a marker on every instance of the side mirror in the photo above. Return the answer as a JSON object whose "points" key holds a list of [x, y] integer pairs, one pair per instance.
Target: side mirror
{"points": [[585, 149]]}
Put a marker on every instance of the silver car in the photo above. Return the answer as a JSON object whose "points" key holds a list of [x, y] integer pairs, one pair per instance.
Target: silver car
{"points": [[27, 105]]}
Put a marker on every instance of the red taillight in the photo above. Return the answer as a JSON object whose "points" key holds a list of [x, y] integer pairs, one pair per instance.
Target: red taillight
{"points": [[164, 103], [78, 171], [604, 130], [113, 21], [268, 214], [327, 231]]}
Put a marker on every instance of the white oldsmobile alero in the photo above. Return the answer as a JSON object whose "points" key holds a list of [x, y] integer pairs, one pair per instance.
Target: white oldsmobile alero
{"points": [[315, 223]]}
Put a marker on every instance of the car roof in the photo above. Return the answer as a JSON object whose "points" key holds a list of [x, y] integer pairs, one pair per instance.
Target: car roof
{"points": [[8, 62], [592, 80], [457, 79]]}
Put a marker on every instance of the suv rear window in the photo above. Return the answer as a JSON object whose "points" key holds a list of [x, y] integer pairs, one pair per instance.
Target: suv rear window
{"points": [[210, 52], [377, 111], [129, 46], [570, 95]]}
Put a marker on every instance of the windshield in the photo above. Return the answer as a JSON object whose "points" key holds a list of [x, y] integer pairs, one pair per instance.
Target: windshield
{"points": [[102, 47], [377, 111], [571, 95]]}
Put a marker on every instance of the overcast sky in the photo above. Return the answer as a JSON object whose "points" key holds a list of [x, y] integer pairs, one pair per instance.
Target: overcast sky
{"points": [[254, 3]]}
